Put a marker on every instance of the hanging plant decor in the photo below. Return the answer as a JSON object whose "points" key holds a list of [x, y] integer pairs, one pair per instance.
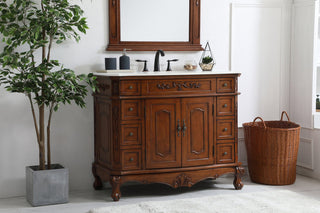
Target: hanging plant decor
{"points": [[207, 61]]}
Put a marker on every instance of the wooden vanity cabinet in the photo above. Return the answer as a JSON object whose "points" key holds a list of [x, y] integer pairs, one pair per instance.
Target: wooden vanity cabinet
{"points": [[176, 130]]}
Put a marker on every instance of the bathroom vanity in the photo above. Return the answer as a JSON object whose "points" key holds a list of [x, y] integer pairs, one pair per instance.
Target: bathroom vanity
{"points": [[175, 128]]}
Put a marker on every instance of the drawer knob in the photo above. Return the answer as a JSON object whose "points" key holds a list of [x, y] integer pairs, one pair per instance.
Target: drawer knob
{"points": [[225, 129], [131, 134], [225, 153], [130, 87], [225, 105], [130, 109], [225, 84], [131, 159]]}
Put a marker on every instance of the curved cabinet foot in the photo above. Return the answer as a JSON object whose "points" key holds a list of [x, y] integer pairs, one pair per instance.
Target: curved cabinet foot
{"points": [[239, 172], [97, 185], [115, 183]]}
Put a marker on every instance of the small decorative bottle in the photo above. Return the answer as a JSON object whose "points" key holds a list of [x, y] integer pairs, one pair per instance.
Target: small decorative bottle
{"points": [[124, 61]]}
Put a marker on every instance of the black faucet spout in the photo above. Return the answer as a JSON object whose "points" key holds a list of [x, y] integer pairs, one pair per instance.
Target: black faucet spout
{"points": [[156, 60]]}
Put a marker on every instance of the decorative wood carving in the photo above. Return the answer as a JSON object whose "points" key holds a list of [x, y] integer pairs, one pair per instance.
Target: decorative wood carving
{"points": [[115, 43], [182, 180], [104, 87], [237, 178], [115, 182], [179, 85]]}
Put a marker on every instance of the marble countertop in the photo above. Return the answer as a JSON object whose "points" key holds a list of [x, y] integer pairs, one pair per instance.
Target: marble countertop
{"points": [[164, 73]]}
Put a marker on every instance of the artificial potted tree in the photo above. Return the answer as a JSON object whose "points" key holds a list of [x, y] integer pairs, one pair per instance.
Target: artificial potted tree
{"points": [[30, 30]]}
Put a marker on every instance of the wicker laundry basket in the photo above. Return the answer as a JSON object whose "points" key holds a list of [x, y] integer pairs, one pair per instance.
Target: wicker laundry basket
{"points": [[272, 149]]}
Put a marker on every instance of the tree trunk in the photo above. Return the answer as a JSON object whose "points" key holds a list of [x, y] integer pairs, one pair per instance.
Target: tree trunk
{"points": [[48, 148], [42, 155]]}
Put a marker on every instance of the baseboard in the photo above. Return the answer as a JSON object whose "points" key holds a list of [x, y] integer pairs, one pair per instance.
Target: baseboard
{"points": [[308, 172]]}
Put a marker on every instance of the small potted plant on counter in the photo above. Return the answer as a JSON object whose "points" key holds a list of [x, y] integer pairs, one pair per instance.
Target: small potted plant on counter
{"points": [[206, 61], [29, 29]]}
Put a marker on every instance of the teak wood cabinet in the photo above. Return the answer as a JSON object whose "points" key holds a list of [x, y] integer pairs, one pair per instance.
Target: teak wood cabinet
{"points": [[176, 130]]}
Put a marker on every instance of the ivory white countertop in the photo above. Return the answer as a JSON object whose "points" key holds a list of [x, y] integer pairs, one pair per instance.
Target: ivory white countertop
{"points": [[164, 73]]}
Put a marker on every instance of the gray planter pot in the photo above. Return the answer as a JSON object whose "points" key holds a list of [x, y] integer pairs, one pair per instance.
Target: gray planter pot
{"points": [[47, 187]]}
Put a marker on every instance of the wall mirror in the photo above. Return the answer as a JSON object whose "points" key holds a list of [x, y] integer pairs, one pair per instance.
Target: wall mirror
{"points": [[149, 25]]}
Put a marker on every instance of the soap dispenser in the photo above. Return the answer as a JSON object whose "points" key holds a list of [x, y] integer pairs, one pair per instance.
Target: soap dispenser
{"points": [[124, 61]]}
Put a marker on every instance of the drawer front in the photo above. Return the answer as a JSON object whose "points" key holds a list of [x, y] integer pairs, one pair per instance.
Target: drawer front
{"points": [[180, 86], [225, 129], [225, 105], [130, 109], [130, 88], [131, 134], [131, 159], [225, 85], [225, 153]]}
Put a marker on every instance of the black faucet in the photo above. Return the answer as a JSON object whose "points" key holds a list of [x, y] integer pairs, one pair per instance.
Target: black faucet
{"points": [[156, 60]]}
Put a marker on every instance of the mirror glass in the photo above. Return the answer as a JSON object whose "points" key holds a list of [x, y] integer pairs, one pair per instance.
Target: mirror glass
{"points": [[154, 20]]}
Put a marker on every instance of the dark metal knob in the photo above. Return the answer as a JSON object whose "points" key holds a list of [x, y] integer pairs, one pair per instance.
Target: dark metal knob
{"points": [[130, 109], [184, 128], [225, 153], [225, 105], [131, 159], [131, 134], [179, 128], [130, 87], [225, 129], [225, 84]]}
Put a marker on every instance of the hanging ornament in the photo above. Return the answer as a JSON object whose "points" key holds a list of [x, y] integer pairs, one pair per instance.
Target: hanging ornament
{"points": [[207, 61]]}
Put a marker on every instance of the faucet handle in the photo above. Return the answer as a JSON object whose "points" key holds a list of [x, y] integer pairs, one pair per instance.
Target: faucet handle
{"points": [[169, 66], [145, 68]]}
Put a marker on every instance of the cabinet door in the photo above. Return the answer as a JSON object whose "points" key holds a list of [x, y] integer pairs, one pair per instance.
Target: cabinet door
{"points": [[197, 140], [163, 145]]}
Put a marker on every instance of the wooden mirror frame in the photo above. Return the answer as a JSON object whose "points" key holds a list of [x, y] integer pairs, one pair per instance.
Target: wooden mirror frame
{"points": [[115, 43]]}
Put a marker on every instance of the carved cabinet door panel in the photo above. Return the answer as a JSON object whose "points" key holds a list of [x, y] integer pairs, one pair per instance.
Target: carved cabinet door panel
{"points": [[163, 143], [197, 136]]}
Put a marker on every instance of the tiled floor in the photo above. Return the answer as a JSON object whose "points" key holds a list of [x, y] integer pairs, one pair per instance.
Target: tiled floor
{"points": [[82, 202]]}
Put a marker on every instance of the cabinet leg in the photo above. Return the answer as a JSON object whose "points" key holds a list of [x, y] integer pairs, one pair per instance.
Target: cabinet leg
{"points": [[115, 183], [239, 172], [97, 185]]}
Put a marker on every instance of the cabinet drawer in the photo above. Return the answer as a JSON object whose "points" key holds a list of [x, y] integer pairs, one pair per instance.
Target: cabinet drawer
{"points": [[225, 85], [131, 159], [225, 105], [130, 88], [180, 86], [130, 109], [225, 153], [131, 134], [225, 129]]}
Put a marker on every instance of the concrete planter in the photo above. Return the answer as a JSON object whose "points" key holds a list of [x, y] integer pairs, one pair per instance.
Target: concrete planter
{"points": [[46, 187]]}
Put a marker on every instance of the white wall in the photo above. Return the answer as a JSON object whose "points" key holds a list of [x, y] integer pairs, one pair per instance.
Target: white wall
{"points": [[304, 83], [248, 36]]}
